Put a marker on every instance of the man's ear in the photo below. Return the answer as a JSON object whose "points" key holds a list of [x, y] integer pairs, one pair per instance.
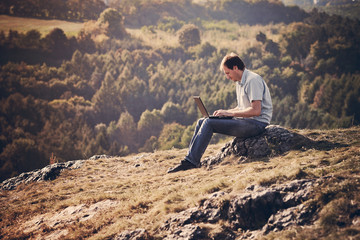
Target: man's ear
{"points": [[235, 68]]}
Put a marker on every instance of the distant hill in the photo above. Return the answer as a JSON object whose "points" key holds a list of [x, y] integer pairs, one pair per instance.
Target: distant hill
{"points": [[345, 8], [139, 13], [307, 193]]}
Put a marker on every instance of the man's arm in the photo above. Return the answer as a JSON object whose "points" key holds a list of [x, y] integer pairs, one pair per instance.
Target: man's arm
{"points": [[252, 111]]}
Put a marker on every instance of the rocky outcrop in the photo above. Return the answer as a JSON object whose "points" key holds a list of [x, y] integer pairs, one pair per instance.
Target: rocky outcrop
{"points": [[274, 141], [59, 221], [258, 210], [49, 172]]}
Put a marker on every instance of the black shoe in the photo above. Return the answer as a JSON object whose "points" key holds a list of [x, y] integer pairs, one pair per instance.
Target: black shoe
{"points": [[184, 165]]}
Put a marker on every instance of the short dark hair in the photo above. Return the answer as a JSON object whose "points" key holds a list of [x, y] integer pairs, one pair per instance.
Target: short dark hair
{"points": [[231, 60]]}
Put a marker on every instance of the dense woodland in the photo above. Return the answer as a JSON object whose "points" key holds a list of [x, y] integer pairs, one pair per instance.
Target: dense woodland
{"points": [[106, 92]]}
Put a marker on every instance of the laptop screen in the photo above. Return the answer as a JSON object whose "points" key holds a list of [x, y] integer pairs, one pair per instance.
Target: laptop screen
{"points": [[201, 106], [204, 112]]}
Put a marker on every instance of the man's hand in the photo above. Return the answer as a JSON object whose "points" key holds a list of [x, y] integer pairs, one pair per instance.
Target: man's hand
{"points": [[252, 111], [222, 112]]}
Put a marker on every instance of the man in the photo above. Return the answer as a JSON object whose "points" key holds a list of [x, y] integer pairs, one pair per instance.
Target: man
{"points": [[252, 114]]}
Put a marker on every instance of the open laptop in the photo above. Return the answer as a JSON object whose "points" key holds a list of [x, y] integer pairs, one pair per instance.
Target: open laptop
{"points": [[203, 110]]}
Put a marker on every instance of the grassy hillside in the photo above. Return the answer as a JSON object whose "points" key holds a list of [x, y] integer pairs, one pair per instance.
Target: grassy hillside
{"points": [[220, 34], [107, 196]]}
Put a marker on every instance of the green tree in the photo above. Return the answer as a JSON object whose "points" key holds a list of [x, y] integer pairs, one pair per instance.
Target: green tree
{"points": [[170, 136], [171, 112], [150, 124], [112, 20], [128, 130], [58, 44], [107, 103]]}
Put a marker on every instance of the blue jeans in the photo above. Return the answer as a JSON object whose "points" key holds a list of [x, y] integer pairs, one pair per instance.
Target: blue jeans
{"points": [[237, 127]]}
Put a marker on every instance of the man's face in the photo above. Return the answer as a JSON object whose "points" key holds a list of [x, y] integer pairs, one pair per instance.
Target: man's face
{"points": [[233, 74]]}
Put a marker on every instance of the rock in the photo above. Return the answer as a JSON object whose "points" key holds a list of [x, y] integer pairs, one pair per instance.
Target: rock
{"points": [[49, 172], [208, 211], [138, 234], [179, 220], [58, 221], [274, 141], [258, 208], [297, 215], [188, 232], [102, 156], [252, 210]]}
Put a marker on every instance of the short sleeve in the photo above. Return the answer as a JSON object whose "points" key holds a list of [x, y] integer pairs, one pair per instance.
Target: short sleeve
{"points": [[255, 89]]}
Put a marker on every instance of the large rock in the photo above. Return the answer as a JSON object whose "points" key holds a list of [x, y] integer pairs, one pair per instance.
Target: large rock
{"points": [[49, 172], [274, 141], [257, 209]]}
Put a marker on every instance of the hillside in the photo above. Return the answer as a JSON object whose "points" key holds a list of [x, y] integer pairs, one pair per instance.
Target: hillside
{"points": [[132, 196], [59, 91]]}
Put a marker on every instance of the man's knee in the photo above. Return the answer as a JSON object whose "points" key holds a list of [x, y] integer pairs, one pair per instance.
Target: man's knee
{"points": [[201, 121]]}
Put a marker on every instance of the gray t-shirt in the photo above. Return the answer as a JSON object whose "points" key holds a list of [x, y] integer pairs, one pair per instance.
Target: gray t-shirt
{"points": [[253, 87]]}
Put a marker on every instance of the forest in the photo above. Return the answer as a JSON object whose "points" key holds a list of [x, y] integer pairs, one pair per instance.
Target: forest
{"points": [[107, 91]]}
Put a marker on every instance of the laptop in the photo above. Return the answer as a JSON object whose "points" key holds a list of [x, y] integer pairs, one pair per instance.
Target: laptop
{"points": [[203, 110]]}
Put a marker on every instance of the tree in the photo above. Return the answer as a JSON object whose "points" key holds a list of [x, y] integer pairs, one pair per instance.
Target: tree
{"points": [[150, 124], [32, 39], [85, 42], [170, 136], [171, 112], [106, 100], [22, 155], [272, 47], [189, 35], [261, 37], [113, 20], [128, 130], [134, 96], [205, 50], [58, 45]]}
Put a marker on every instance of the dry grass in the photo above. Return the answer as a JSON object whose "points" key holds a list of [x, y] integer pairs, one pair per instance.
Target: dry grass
{"points": [[156, 39], [222, 34], [240, 37], [144, 195], [43, 26]]}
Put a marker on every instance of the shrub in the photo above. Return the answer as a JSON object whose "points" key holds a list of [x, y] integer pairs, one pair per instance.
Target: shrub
{"points": [[189, 35]]}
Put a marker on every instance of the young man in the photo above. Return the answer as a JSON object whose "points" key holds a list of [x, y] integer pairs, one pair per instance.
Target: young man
{"points": [[252, 114]]}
